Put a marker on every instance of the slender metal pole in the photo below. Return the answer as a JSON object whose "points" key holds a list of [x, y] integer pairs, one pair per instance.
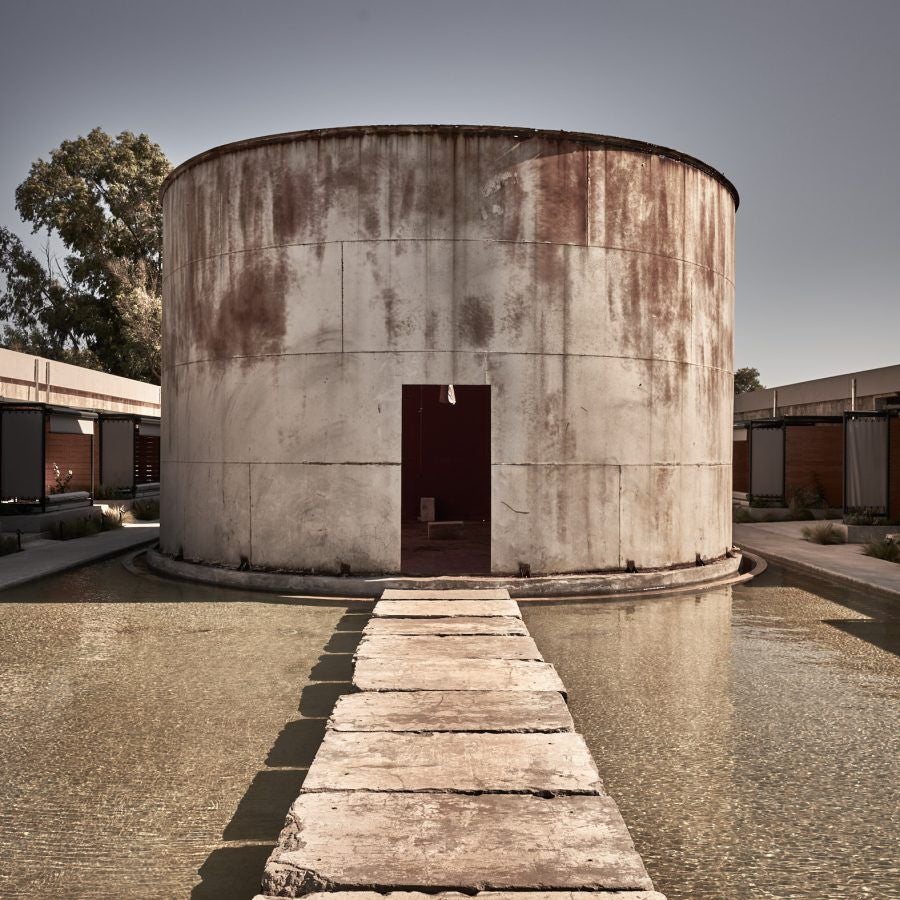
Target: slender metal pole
{"points": [[93, 486], [852, 395]]}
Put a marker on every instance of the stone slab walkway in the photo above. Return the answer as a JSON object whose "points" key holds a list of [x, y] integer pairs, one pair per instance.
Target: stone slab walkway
{"points": [[435, 608], [464, 763], [484, 895], [397, 673], [42, 557], [453, 774], [461, 646], [783, 543], [459, 624], [436, 711]]}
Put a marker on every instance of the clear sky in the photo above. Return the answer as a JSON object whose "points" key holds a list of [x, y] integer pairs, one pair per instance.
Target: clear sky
{"points": [[796, 101]]}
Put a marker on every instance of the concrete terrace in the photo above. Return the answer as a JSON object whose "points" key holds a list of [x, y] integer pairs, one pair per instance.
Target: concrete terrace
{"points": [[783, 543], [41, 557], [454, 767]]}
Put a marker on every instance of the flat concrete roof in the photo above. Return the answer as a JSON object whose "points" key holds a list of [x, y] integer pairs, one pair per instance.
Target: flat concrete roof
{"points": [[885, 380], [591, 140]]}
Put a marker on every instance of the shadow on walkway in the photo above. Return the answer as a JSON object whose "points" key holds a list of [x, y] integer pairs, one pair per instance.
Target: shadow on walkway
{"points": [[235, 869]]}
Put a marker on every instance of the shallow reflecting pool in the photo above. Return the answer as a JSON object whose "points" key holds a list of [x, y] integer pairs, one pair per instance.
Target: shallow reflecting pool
{"points": [[150, 732], [153, 736], [750, 735]]}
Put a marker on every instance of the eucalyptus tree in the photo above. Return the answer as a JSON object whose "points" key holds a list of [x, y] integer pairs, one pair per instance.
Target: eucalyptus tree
{"points": [[98, 303]]}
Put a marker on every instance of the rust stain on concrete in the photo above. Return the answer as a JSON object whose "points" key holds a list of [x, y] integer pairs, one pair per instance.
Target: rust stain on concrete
{"points": [[250, 315], [476, 321]]}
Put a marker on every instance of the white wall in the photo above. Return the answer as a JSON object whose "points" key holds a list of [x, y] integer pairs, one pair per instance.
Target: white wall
{"points": [[74, 386]]}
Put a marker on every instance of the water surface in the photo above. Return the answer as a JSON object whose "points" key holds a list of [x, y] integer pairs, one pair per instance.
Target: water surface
{"points": [[150, 734], [153, 734], [750, 735]]}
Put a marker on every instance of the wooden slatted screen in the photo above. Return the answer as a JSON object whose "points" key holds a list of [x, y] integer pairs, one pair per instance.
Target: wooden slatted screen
{"points": [[69, 451], [146, 459]]}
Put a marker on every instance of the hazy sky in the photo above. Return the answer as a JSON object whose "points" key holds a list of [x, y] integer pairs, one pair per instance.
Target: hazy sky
{"points": [[798, 103]]}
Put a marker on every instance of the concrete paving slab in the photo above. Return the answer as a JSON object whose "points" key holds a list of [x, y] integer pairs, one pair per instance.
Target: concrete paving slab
{"points": [[433, 609], [486, 711], [43, 557], [398, 674], [480, 895], [456, 625], [556, 764], [361, 840], [454, 646], [449, 594]]}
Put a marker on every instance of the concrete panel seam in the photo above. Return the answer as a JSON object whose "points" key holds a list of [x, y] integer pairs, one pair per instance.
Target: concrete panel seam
{"points": [[592, 465], [425, 351], [426, 240], [265, 462], [619, 516], [620, 466]]}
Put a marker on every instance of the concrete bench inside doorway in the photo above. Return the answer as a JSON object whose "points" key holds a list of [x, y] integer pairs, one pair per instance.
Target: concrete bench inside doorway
{"points": [[450, 530]]}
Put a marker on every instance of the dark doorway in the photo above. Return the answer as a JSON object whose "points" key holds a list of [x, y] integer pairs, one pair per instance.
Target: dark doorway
{"points": [[446, 455]]}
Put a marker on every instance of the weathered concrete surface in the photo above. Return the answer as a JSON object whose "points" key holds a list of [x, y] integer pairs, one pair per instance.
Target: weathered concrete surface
{"points": [[438, 609], [482, 895], [718, 573], [486, 711], [448, 594], [462, 763], [588, 280], [455, 646], [399, 674], [474, 625], [361, 840]]}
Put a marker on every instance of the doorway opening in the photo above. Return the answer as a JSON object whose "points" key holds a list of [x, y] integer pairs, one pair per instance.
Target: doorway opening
{"points": [[446, 480]]}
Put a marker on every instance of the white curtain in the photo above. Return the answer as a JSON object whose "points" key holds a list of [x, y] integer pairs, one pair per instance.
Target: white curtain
{"points": [[867, 463], [767, 461], [21, 475], [117, 453]]}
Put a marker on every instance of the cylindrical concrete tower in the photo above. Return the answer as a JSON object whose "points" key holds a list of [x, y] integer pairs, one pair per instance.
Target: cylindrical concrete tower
{"points": [[585, 282]]}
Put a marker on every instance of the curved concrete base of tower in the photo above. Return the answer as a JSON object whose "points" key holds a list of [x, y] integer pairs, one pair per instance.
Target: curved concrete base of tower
{"points": [[597, 584]]}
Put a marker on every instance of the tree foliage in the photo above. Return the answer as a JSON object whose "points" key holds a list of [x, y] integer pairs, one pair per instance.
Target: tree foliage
{"points": [[747, 379], [100, 304]]}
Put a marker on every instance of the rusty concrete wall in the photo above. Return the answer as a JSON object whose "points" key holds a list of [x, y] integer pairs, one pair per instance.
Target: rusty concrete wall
{"points": [[308, 277]]}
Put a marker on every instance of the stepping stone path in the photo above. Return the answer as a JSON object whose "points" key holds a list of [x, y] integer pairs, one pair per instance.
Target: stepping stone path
{"points": [[453, 771]]}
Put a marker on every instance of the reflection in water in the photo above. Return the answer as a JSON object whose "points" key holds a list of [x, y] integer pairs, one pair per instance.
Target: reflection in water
{"points": [[151, 732], [752, 745]]}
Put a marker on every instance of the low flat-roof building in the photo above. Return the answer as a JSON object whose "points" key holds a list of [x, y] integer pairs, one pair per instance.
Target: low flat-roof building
{"points": [[24, 377], [872, 389], [836, 437], [57, 418]]}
